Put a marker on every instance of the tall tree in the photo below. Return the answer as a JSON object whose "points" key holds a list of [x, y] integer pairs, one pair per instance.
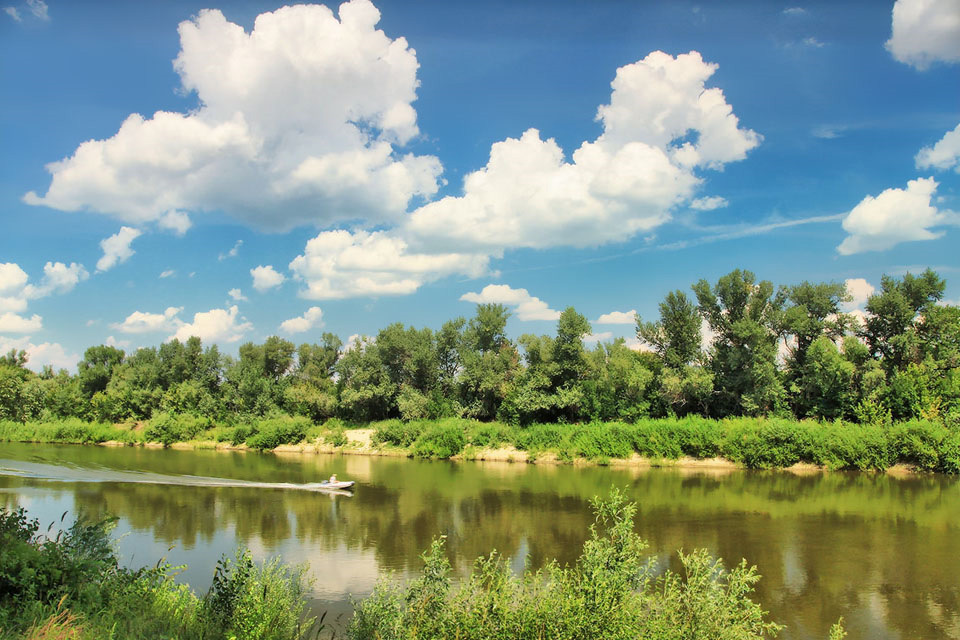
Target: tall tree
{"points": [[746, 316], [676, 335]]}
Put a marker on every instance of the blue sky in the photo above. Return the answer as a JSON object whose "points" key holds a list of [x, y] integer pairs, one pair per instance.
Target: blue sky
{"points": [[241, 170]]}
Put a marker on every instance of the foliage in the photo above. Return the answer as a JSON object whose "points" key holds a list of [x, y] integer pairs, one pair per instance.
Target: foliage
{"points": [[70, 585], [273, 432], [169, 428], [611, 592]]}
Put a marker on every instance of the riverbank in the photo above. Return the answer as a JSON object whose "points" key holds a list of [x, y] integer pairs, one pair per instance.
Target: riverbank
{"points": [[752, 443]]}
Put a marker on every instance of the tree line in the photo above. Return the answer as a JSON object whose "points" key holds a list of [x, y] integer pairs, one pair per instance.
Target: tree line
{"points": [[785, 351]]}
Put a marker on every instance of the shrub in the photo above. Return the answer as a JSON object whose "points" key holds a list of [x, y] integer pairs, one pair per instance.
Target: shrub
{"points": [[538, 437], [175, 427], [602, 440], [440, 441], [488, 435], [397, 433], [273, 432], [611, 592]]}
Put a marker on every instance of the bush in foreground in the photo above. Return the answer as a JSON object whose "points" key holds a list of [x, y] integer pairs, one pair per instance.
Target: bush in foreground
{"points": [[72, 586], [611, 592]]}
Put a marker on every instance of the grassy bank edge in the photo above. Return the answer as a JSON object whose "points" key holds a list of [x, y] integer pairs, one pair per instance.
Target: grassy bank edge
{"points": [[759, 443]]}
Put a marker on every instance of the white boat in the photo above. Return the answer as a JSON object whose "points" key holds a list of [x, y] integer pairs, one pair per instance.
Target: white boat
{"points": [[340, 484]]}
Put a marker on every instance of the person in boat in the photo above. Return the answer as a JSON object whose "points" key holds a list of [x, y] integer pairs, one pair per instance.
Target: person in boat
{"points": [[333, 479]]}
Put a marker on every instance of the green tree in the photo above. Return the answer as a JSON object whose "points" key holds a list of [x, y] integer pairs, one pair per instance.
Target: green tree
{"points": [[745, 317], [676, 336], [96, 368]]}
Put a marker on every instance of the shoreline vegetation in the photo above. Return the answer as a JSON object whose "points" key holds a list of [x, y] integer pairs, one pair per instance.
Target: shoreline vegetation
{"points": [[747, 443], [71, 585], [762, 376]]}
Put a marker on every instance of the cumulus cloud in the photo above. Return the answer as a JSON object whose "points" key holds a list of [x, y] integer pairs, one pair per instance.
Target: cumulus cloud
{"points": [[116, 248], [894, 216], [525, 306], [661, 125], [141, 322], [300, 122], [794, 11], [618, 317], [216, 325], [925, 31], [57, 278], [38, 355], [113, 342], [344, 264], [13, 13], [14, 323], [12, 277], [943, 155], [709, 203], [167, 273], [312, 317], [176, 221], [860, 290], [237, 295], [266, 277]]}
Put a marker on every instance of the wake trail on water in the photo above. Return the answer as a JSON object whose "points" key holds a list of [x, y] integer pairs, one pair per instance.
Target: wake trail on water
{"points": [[60, 473]]}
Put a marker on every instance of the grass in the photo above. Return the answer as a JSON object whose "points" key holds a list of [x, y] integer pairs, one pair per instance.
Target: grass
{"points": [[755, 443]]}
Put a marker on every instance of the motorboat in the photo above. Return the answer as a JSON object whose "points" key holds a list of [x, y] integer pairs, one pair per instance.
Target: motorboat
{"points": [[337, 484]]}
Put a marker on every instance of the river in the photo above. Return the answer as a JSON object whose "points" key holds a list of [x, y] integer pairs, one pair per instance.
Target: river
{"points": [[881, 551]]}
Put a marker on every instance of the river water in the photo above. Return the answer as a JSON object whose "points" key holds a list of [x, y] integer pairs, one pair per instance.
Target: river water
{"points": [[881, 551]]}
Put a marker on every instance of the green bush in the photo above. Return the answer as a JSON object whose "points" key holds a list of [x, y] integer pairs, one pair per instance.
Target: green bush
{"points": [[917, 442], [175, 427], [67, 430], [440, 441], [273, 432], [397, 433], [488, 435], [599, 440], [538, 437], [611, 592], [72, 586]]}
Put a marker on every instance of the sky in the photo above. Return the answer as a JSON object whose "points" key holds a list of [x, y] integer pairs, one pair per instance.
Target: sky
{"points": [[244, 169]]}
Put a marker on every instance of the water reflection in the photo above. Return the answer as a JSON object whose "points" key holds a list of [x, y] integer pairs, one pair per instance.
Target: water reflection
{"points": [[878, 550]]}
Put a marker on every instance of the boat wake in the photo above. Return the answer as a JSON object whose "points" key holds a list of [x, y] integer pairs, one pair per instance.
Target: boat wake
{"points": [[61, 473]]}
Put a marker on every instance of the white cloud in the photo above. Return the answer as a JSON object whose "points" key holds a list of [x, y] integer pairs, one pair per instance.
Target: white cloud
{"points": [[344, 264], [811, 41], [116, 248], [13, 13], [167, 273], [860, 290], [266, 277], [12, 303], [237, 295], [176, 221], [794, 11], [312, 317], [38, 355], [140, 322], [216, 325], [12, 277], [591, 338], [525, 306], [57, 278], [300, 122], [618, 317], [661, 124], [39, 9], [827, 132], [709, 203], [232, 253], [943, 155], [925, 31], [894, 216], [14, 323], [113, 342]]}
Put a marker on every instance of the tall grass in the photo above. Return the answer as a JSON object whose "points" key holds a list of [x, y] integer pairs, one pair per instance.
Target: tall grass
{"points": [[67, 430]]}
